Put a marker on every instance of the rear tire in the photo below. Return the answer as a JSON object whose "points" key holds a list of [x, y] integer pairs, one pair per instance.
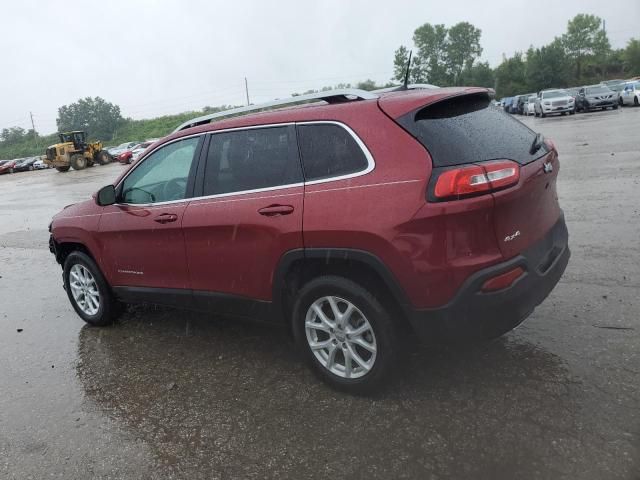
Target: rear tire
{"points": [[62, 169], [357, 363], [635, 102], [78, 162], [88, 291], [102, 157]]}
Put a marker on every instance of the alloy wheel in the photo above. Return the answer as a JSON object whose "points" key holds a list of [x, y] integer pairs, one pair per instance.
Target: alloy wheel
{"points": [[84, 289], [340, 337]]}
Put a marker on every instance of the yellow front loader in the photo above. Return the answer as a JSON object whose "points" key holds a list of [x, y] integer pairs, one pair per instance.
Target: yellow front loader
{"points": [[74, 151]]}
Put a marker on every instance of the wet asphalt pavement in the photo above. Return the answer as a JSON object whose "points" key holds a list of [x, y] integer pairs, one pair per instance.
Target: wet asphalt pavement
{"points": [[174, 394]]}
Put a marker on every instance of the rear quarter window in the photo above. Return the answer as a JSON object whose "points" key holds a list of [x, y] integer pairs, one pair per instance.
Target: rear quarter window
{"points": [[329, 150], [467, 129]]}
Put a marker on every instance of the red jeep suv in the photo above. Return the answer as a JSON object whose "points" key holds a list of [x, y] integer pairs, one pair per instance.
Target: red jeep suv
{"points": [[355, 219]]}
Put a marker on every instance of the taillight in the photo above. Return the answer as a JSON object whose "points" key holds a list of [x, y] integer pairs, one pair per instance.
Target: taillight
{"points": [[476, 179]]}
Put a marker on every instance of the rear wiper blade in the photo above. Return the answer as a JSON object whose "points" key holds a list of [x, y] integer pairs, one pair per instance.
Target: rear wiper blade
{"points": [[537, 143]]}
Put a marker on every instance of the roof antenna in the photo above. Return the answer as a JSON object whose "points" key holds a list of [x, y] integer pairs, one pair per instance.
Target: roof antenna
{"points": [[405, 85]]}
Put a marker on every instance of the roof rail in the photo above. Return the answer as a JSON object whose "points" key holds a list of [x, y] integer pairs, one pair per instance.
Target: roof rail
{"points": [[411, 86], [329, 96]]}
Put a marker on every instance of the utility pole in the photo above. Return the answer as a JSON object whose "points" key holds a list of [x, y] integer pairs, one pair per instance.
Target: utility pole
{"points": [[246, 89], [33, 126]]}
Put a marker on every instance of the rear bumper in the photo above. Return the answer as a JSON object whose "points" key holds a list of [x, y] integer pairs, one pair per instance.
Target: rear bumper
{"points": [[474, 314]]}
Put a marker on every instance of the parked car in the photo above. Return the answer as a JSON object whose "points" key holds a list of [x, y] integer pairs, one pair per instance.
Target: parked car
{"points": [[40, 165], [521, 100], [611, 83], [617, 88], [25, 164], [7, 166], [630, 95], [596, 96], [123, 147], [529, 105], [459, 244], [139, 149], [554, 101], [131, 155], [506, 104]]}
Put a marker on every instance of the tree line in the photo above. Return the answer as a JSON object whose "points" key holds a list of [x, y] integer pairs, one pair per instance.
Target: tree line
{"points": [[443, 56], [580, 56]]}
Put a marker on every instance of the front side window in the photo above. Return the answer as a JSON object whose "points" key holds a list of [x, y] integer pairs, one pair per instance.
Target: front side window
{"points": [[162, 176], [251, 159], [328, 150]]}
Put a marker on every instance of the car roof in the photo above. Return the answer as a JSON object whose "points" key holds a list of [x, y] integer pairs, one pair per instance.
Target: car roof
{"points": [[394, 103]]}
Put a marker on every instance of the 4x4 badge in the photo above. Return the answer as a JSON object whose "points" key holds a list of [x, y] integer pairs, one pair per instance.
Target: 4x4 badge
{"points": [[547, 167]]}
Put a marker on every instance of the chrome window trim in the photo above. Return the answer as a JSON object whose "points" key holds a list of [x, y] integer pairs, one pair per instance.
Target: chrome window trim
{"points": [[369, 168]]}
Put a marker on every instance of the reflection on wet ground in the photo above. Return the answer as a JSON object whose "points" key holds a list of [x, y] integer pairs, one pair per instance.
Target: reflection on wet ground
{"points": [[236, 395]]}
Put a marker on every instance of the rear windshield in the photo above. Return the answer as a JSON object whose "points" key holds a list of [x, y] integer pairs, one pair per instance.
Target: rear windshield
{"points": [[465, 130]]}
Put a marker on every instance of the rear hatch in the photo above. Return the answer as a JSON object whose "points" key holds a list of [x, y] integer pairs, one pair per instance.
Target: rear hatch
{"points": [[466, 130]]}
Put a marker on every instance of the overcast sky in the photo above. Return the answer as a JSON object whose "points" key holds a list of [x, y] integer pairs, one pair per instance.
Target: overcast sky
{"points": [[160, 57]]}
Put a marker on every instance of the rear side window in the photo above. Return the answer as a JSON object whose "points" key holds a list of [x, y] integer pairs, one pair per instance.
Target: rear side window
{"points": [[328, 150], [251, 159], [465, 130]]}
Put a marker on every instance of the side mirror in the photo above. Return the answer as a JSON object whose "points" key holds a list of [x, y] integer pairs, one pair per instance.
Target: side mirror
{"points": [[106, 196]]}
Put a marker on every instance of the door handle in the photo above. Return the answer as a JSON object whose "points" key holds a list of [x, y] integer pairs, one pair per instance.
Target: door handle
{"points": [[166, 218], [275, 210]]}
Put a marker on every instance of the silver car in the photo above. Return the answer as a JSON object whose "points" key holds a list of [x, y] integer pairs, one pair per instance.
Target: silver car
{"points": [[554, 101]]}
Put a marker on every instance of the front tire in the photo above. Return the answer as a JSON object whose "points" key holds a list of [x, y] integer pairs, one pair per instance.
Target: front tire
{"points": [[88, 291], [636, 102], [62, 169], [78, 162], [346, 335]]}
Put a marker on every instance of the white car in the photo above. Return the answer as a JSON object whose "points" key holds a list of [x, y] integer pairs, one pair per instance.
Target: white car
{"points": [[630, 95], [40, 165], [137, 151], [554, 101], [529, 107]]}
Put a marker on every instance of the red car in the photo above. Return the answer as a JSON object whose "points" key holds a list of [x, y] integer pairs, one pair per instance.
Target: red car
{"points": [[7, 166], [356, 221], [131, 155]]}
